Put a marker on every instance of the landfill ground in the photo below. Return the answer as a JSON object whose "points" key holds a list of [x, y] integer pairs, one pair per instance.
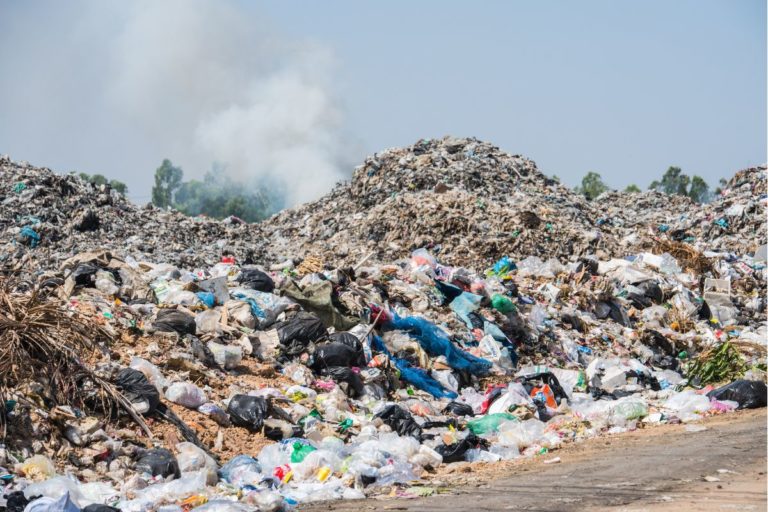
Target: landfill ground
{"points": [[657, 469], [451, 328]]}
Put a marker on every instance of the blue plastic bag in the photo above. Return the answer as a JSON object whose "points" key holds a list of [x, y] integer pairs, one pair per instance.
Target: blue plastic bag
{"points": [[31, 235], [207, 298], [412, 375], [465, 304], [436, 343]]}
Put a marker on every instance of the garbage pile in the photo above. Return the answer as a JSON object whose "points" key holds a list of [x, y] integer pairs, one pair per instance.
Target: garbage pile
{"points": [[235, 374], [262, 388], [465, 199], [62, 215]]}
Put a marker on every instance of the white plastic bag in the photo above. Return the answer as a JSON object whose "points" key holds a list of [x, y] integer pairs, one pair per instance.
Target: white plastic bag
{"points": [[186, 394], [191, 458]]}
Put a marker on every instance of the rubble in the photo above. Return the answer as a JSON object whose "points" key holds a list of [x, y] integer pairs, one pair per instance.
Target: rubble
{"points": [[449, 306]]}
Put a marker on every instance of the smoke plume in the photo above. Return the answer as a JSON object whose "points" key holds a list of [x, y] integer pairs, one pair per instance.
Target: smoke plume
{"points": [[115, 87]]}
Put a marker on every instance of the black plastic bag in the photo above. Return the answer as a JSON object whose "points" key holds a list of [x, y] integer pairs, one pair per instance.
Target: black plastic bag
{"points": [[277, 430], [16, 501], [348, 339], [658, 342], [97, 507], [575, 322], [298, 332], [400, 421], [455, 452], [248, 411], [158, 461], [652, 291], [750, 394], [336, 354], [138, 390], [345, 374], [172, 320], [84, 274], [449, 291], [458, 409], [202, 353], [639, 301], [255, 279]]}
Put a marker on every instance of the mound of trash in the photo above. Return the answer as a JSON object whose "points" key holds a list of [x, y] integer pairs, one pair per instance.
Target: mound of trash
{"points": [[344, 349], [62, 215], [466, 200]]}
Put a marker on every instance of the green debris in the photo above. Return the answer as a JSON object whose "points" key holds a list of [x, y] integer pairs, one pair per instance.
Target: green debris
{"points": [[719, 364]]}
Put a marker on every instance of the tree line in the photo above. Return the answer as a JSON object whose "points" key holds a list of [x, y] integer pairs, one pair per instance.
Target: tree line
{"points": [[217, 195], [673, 182]]}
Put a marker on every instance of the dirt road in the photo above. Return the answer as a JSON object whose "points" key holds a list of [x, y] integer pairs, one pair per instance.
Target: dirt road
{"points": [[658, 469]]}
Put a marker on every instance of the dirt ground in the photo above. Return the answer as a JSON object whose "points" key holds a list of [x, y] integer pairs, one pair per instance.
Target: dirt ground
{"points": [[658, 469]]}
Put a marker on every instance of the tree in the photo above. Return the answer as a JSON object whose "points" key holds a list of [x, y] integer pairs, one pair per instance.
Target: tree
{"points": [[167, 181], [674, 182], [119, 186], [591, 186], [699, 191], [722, 184], [99, 179], [632, 189]]}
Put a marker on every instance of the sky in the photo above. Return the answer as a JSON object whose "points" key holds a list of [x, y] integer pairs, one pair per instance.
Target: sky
{"points": [[303, 91]]}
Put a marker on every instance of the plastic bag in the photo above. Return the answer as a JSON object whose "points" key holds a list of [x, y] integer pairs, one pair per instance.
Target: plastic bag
{"points": [[144, 397], [688, 405], [186, 394], [192, 458], [455, 452], [337, 354], [436, 343], [248, 411], [218, 414], [158, 461], [300, 451], [226, 356], [151, 372], [241, 312], [240, 469], [255, 279], [521, 433], [105, 283], [62, 504], [208, 321], [750, 394], [489, 423], [465, 304], [422, 258], [458, 409], [421, 379], [36, 468], [266, 307], [298, 332], [502, 304], [180, 488], [399, 420], [171, 320]]}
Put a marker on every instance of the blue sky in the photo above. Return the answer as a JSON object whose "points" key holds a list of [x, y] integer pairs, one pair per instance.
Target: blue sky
{"points": [[617, 87], [622, 88]]}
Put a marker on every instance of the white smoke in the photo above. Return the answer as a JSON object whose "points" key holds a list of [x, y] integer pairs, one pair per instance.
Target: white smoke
{"points": [[196, 81]]}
